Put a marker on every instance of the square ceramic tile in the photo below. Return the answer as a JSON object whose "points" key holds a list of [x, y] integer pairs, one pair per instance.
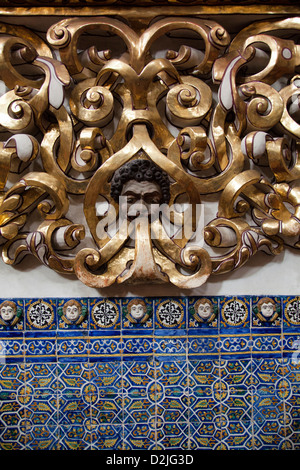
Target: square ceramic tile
{"points": [[205, 346], [73, 348], [105, 314], [108, 347], [204, 435], [291, 346], [170, 313], [267, 345], [173, 436], [40, 349], [268, 435], [11, 315], [72, 314], [106, 437], [139, 436], [12, 378], [134, 347], [39, 437], [42, 378], [73, 437], [73, 378], [266, 312], [12, 438], [137, 313], [139, 410], [73, 410], [43, 410], [40, 314], [107, 377], [238, 438], [235, 313], [203, 312], [173, 379], [235, 346], [166, 347], [291, 313], [109, 410], [12, 349]]}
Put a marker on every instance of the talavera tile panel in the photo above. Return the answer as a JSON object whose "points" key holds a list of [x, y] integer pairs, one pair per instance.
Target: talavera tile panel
{"points": [[183, 373]]}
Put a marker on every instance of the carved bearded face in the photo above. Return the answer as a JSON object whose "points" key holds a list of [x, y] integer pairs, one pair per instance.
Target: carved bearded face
{"points": [[140, 198], [139, 187]]}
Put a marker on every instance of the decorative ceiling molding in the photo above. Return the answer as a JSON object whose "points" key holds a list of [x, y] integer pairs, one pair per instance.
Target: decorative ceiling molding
{"points": [[267, 6], [114, 141], [139, 3]]}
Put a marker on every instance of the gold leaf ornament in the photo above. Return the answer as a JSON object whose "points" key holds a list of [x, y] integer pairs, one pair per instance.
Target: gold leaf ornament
{"points": [[216, 115]]}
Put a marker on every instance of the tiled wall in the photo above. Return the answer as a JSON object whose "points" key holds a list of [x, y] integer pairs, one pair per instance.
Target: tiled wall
{"points": [[169, 381]]}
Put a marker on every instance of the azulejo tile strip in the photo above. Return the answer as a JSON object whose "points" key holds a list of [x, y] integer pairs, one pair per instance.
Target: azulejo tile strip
{"points": [[150, 373]]}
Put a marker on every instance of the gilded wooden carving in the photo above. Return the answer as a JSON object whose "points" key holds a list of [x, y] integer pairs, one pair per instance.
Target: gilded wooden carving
{"points": [[135, 135]]}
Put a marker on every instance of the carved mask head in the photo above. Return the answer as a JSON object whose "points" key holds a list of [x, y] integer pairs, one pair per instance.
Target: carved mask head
{"points": [[139, 187]]}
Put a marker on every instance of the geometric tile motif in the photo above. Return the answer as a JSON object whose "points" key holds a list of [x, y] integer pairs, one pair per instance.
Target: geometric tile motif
{"points": [[235, 311], [203, 404], [292, 311], [170, 313]]}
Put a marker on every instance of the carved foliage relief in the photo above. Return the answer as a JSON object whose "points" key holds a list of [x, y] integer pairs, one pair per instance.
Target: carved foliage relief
{"points": [[113, 140]]}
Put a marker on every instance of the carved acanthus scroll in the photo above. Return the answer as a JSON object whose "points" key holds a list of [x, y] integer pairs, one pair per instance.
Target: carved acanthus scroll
{"points": [[137, 137]]}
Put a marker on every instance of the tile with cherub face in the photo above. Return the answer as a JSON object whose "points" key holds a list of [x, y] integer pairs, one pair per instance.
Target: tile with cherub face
{"points": [[137, 312], [11, 314], [203, 312], [266, 312], [72, 313]]}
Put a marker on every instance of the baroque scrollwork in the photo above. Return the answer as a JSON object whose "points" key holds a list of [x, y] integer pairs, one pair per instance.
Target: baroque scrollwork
{"points": [[136, 136]]}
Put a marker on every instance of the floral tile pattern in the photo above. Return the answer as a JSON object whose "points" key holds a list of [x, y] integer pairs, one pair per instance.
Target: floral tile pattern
{"points": [[160, 376]]}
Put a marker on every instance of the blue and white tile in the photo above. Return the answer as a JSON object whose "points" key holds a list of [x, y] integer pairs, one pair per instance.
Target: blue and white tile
{"points": [[235, 313], [206, 346], [170, 313], [105, 314], [40, 314]]}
